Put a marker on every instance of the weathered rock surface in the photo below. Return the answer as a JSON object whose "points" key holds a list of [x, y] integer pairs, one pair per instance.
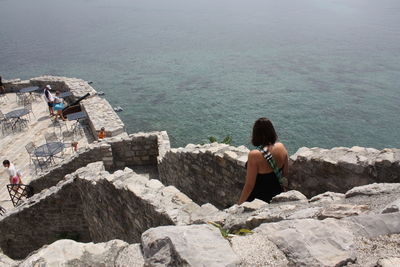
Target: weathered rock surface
{"points": [[71, 253], [328, 197], [196, 245], [339, 211], [311, 242], [256, 204], [256, 250], [374, 225], [392, 207], [389, 262], [373, 189], [371, 251], [291, 195]]}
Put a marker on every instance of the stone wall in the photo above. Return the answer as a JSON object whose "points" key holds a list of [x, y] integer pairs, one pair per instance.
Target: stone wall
{"points": [[125, 204], [77, 87], [116, 153], [316, 170], [212, 173], [138, 149], [101, 114], [47, 217], [92, 153]]}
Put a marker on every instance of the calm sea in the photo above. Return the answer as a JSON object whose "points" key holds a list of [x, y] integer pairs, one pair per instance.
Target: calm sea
{"points": [[327, 72]]}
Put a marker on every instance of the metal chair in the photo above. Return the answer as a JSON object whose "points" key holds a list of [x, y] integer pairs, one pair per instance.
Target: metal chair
{"points": [[30, 148], [19, 192], [40, 163], [28, 106], [51, 137], [60, 124], [6, 124]]}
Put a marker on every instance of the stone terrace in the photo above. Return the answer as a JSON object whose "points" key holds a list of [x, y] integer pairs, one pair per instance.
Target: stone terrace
{"points": [[13, 144]]}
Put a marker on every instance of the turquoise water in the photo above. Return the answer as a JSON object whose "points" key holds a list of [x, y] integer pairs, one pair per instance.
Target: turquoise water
{"points": [[326, 72]]}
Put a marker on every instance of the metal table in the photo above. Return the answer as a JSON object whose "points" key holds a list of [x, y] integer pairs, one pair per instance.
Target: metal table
{"points": [[48, 151], [64, 94], [29, 89], [77, 116], [16, 115]]}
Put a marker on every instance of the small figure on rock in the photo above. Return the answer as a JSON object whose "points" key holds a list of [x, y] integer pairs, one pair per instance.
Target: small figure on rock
{"points": [[49, 99], [267, 166], [102, 133], [14, 174]]}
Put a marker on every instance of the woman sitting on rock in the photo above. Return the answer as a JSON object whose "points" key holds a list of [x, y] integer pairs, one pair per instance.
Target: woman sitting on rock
{"points": [[266, 166]]}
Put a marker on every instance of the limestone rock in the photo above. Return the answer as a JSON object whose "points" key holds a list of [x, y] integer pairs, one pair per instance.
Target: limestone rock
{"points": [[305, 213], [374, 225], [71, 253], [196, 245], [292, 195], [207, 213], [310, 242], [339, 211], [389, 262], [256, 250], [392, 207], [327, 197], [254, 205], [373, 189], [130, 256]]}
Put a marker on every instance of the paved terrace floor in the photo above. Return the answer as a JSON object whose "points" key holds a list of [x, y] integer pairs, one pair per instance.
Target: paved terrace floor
{"points": [[12, 145]]}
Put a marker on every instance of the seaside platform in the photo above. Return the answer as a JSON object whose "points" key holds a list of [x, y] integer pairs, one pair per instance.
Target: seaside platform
{"points": [[13, 143]]}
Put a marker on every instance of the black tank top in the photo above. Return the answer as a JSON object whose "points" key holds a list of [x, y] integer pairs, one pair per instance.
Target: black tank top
{"points": [[267, 186]]}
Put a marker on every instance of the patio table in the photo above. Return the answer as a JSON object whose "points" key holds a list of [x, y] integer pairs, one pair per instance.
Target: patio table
{"points": [[16, 115], [48, 151], [65, 94], [29, 89]]}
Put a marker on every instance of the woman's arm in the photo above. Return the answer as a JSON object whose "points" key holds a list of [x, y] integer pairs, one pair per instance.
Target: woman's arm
{"points": [[251, 175]]}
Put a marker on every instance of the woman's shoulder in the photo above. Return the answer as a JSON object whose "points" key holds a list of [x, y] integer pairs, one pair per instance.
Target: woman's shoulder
{"points": [[280, 147]]}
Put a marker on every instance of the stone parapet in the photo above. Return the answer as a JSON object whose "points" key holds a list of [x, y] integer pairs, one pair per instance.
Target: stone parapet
{"points": [[101, 114], [116, 153], [212, 173], [138, 149], [316, 170], [77, 87]]}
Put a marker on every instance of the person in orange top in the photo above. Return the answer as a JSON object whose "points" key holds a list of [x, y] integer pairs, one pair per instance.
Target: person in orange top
{"points": [[102, 133]]}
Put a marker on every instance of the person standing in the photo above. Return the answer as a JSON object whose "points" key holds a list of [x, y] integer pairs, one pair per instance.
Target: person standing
{"points": [[14, 174], [49, 99]]}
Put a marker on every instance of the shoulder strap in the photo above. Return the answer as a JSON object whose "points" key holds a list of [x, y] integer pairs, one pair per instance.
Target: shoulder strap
{"points": [[272, 163]]}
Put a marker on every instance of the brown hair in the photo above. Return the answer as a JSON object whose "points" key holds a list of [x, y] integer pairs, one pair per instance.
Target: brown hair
{"points": [[263, 133]]}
